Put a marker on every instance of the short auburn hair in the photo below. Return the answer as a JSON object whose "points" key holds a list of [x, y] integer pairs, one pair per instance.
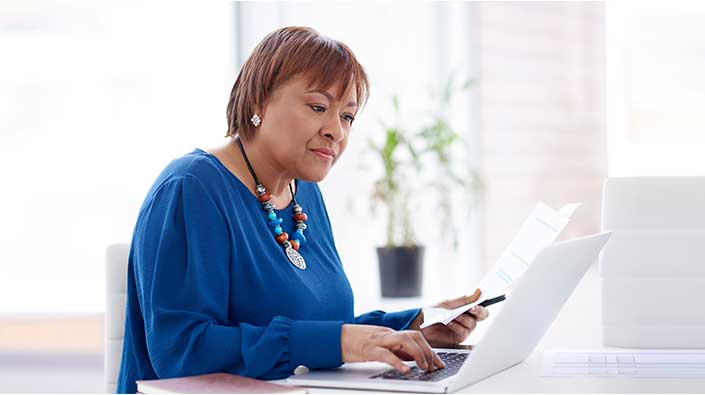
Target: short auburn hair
{"points": [[283, 54]]}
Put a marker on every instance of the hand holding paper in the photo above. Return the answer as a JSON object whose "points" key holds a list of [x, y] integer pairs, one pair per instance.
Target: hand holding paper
{"points": [[457, 331]]}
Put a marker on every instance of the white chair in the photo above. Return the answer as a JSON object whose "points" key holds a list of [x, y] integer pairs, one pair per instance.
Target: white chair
{"points": [[115, 297], [653, 268]]}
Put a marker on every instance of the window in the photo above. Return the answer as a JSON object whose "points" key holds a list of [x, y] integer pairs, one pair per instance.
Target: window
{"points": [[96, 100], [655, 88]]}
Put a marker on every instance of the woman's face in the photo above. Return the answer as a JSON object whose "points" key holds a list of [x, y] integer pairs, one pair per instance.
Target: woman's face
{"points": [[304, 130]]}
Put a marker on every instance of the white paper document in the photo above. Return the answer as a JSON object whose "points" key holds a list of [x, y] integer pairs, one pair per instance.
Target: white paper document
{"points": [[641, 364], [540, 230]]}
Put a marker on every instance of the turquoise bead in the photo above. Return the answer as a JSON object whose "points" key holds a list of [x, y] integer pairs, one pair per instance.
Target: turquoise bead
{"points": [[275, 222], [272, 215], [278, 230]]}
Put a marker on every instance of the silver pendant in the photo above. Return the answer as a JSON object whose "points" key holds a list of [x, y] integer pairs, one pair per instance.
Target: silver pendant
{"points": [[295, 258]]}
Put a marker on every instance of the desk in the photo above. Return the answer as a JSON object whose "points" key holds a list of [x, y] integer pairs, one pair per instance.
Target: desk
{"points": [[578, 326]]}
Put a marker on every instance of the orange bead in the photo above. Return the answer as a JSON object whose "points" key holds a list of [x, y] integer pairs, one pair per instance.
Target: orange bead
{"points": [[265, 197], [282, 238], [295, 244], [300, 217]]}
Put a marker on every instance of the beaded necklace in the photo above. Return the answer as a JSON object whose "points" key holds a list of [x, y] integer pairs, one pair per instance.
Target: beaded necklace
{"points": [[291, 247]]}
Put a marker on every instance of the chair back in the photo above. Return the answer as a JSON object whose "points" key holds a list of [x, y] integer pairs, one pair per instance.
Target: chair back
{"points": [[115, 297]]}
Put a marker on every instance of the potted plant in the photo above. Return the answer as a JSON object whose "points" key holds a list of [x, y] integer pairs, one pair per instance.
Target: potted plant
{"points": [[413, 159]]}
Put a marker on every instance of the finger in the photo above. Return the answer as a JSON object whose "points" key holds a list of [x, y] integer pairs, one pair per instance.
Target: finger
{"points": [[473, 297], [460, 331], [388, 357], [461, 301], [466, 320], [433, 358], [412, 338], [480, 312], [405, 356], [425, 349], [401, 342]]}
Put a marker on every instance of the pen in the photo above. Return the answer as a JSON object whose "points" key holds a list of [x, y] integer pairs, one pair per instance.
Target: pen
{"points": [[492, 301]]}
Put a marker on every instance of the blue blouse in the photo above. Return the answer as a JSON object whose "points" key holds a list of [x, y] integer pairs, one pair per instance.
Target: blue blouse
{"points": [[210, 290]]}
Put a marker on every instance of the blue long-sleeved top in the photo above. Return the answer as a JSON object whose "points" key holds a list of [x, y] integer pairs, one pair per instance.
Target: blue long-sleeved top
{"points": [[210, 290]]}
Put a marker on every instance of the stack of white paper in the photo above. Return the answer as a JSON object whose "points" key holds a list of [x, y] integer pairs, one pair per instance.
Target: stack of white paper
{"points": [[652, 271], [540, 230], [631, 364]]}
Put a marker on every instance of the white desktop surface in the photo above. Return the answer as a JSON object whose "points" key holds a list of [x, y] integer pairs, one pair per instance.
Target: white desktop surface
{"points": [[576, 327]]}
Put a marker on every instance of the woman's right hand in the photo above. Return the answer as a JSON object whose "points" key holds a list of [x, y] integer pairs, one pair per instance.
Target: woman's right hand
{"points": [[362, 343]]}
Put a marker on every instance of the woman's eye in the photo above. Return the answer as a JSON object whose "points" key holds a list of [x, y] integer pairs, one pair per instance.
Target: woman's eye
{"points": [[349, 118]]}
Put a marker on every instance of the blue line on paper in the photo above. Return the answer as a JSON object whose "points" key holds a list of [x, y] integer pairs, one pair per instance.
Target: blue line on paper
{"points": [[519, 258], [547, 225], [504, 276]]}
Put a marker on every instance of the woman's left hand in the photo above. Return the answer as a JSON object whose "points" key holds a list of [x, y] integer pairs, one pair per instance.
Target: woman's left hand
{"points": [[439, 335]]}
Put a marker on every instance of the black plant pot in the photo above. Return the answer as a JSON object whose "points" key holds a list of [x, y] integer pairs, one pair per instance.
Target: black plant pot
{"points": [[400, 271]]}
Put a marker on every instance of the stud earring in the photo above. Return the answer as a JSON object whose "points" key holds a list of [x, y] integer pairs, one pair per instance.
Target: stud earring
{"points": [[256, 120]]}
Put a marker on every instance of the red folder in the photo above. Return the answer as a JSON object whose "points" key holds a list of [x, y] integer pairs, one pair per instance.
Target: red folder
{"points": [[214, 383]]}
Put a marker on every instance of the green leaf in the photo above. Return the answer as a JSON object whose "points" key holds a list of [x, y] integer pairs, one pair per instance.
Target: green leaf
{"points": [[468, 83], [448, 88]]}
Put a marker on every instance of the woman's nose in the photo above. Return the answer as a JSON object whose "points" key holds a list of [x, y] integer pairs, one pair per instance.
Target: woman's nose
{"points": [[334, 131]]}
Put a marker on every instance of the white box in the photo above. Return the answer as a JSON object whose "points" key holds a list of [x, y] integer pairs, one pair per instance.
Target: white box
{"points": [[653, 301], [654, 253], [656, 203], [654, 336], [653, 267]]}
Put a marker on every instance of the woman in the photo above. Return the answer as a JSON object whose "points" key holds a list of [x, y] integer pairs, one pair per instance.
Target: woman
{"points": [[233, 267]]}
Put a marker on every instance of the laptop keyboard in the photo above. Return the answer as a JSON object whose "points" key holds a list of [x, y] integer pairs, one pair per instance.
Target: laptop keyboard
{"points": [[453, 361]]}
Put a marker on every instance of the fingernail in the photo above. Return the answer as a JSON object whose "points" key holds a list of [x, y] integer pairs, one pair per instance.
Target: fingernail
{"points": [[474, 310]]}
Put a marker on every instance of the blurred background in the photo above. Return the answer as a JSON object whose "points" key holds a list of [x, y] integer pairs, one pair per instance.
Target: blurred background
{"points": [[96, 98]]}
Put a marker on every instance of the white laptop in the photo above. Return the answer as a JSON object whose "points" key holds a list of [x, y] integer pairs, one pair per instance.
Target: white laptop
{"points": [[536, 299]]}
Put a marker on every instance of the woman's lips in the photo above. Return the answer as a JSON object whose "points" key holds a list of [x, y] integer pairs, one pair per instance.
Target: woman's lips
{"points": [[325, 154]]}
